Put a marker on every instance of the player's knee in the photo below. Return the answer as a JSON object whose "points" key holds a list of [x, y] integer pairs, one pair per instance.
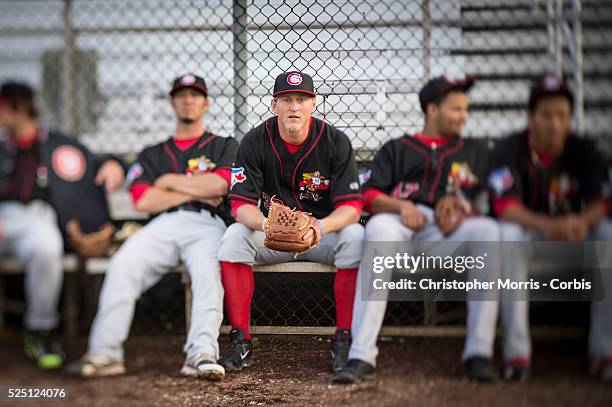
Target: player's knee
{"points": [[234, 243], [511, 232], [47, 244], [384, 227], [484, 229], [603, 230], [353, 234]]}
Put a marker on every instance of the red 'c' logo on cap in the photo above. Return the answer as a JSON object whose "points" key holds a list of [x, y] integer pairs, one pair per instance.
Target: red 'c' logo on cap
{"points": [[187, 79], [294, 79]]}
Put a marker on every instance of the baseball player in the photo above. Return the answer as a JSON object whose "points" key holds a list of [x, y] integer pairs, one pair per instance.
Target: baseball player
{"points": [[411, 185], [549, 184], [309, 165], [182, 181], [46, 179]]}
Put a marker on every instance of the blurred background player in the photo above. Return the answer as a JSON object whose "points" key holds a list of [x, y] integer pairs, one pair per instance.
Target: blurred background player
{"points": [[549, 184], [46, 179], [309, 165], [409, 180], [182, 181]]}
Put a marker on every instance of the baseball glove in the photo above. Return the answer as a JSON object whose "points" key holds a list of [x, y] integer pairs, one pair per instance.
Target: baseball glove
{"points": [[93, 244], [285, 229], [450, 212]]}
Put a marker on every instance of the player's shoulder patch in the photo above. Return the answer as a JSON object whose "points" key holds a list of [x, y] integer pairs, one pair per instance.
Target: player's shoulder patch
{"points": [[238, 176], [501, 180], [68, 163], [133, 173]]}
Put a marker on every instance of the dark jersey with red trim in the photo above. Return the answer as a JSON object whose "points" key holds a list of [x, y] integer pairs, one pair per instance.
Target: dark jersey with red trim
{"points": [[208, 154], [577, 176], [320, 174], [60, 170], [406, 168]]}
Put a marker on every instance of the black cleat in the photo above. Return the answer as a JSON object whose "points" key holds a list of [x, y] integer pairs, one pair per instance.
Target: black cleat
{"points": [[354, 372], [516, 373], [239, 353], [41, 348], [480, 369], [340, 346]]}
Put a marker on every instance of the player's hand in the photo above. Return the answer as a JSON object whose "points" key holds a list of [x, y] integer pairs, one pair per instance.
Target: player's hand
{"points": [[577, 227], [412, 217], [214, 202], [567, 228], [165, 181], [110, 175], [313, 236]]}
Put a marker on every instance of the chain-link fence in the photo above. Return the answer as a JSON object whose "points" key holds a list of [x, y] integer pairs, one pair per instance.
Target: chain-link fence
{"points": [[103, 67]]}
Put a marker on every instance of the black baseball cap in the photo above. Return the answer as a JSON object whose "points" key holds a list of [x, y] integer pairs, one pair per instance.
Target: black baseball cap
{"points": [[294, 81], [189, 80], [16, 91], [549, 85], [440, 86]]}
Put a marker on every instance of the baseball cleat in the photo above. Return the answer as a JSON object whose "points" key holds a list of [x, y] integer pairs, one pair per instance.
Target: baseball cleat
{"points": [[203, 366], [517, 369], [239, 353], [41, 348], [601, 369], [354, 372], [340, 346], [480, 369], [92, 365]]}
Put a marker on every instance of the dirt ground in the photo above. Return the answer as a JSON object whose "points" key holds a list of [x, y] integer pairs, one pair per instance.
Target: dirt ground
{"points": [[295, 370]]}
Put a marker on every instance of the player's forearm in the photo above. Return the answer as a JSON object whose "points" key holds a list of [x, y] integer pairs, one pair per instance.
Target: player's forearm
{"points": [[594, 213], [251, 216], [386, 204], [339, 218], [527, 218], [156, 200], [200, 186]]}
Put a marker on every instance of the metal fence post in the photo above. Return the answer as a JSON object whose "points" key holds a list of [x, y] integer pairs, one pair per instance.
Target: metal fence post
{"points": [[68, 94], [578, 67], [241, 87]]}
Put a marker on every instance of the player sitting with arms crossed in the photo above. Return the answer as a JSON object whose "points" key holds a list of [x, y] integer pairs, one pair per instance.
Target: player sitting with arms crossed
{"points": [[408, 178], [47, 180], [309, 165], [182, 181], [549, 184]]}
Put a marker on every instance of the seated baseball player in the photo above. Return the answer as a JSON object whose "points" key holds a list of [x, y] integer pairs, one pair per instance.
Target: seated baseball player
{"points": [[549, 184], [46, 180], [422, 187], [182, 182], [306, 164]]}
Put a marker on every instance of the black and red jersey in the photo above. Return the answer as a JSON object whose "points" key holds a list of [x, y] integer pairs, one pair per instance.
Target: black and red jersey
{"points": [[210, 153], [558, 187], [321, 174], [408, 168]]}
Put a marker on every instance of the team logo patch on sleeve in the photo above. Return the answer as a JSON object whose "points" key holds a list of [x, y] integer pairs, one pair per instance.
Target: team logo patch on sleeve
{"points": [[68, 163], [134, 172], [365, 176], [501, 180], [403, 190], [238, 176]]}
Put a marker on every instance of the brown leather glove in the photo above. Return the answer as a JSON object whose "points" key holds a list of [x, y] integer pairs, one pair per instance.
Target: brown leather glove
{"points": [[93, 244], [286, 228]]}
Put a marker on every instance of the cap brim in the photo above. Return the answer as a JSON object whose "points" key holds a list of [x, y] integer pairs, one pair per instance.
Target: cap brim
{"points": [[192, 86], [464, 85], [294, 91]]}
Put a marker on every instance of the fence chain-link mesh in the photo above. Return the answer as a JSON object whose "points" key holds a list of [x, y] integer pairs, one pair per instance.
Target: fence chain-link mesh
{"points": [[103, 69]]}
